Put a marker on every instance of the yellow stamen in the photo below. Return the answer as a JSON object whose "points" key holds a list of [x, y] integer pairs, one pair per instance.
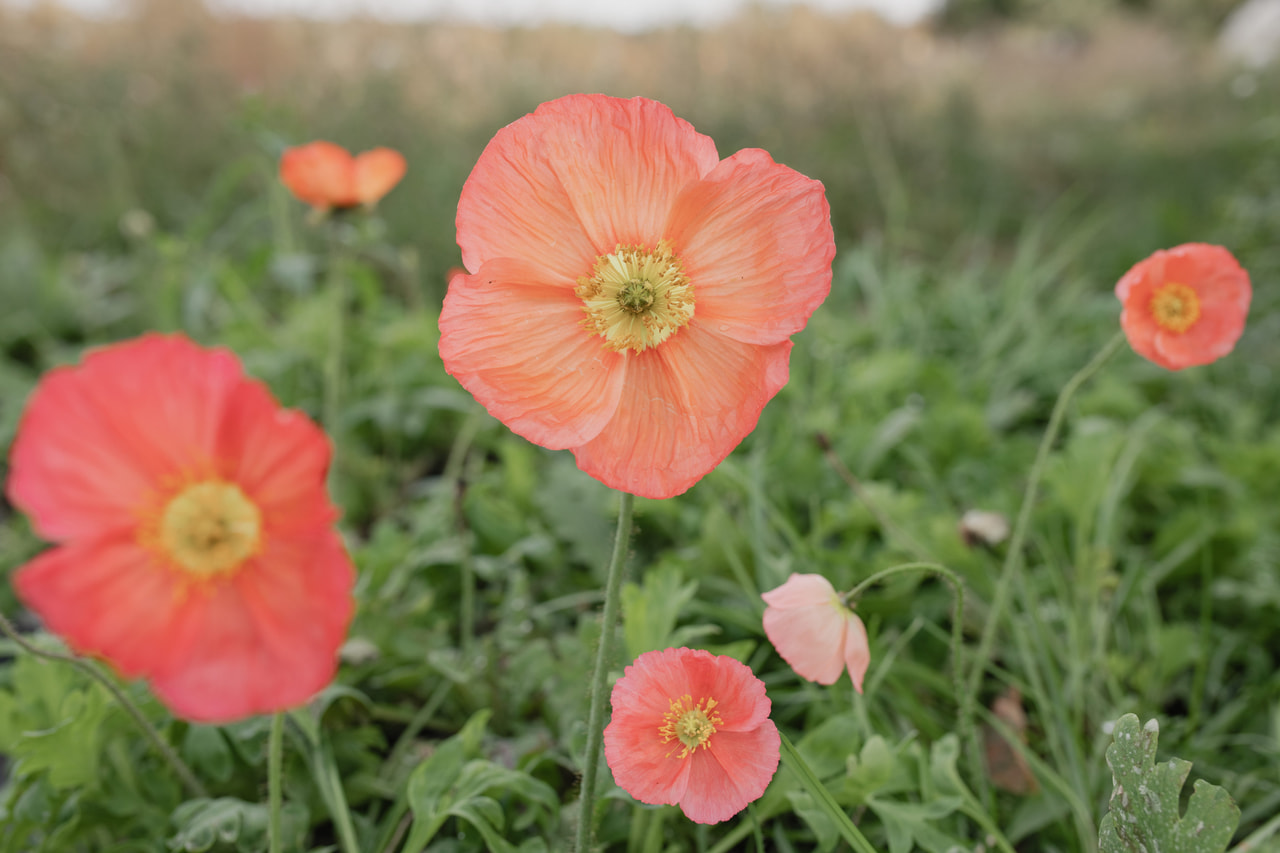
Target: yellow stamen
{"points": [[636, 298], [691, 723], [1175, 307], [208, 528]]}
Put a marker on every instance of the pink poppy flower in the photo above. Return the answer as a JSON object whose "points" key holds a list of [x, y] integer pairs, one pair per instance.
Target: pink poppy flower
{"points": [[692, 729], [195, 541], [815, 632], [325, 175], [1185, 306], [630, 295]]}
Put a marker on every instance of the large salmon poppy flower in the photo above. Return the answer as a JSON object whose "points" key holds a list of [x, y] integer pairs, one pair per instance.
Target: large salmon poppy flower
{"points": [[195, 540], [630, 295], [1185, 306], [815, 632], [325, 175], [692, 729]]}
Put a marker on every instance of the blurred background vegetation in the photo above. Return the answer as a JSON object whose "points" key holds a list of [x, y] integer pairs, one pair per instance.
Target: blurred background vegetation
{"points": [[991, 174]]}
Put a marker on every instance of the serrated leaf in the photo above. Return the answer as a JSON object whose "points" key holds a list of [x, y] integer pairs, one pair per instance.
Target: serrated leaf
{"points": [[649, 612], [1145, 800], [204, 824]]}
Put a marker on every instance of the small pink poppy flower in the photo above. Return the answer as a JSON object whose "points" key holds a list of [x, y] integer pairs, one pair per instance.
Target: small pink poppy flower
{"points": [[692, 729], [195, 541], [631, 296], [1185, 306], [325, 175], [814, 632]]}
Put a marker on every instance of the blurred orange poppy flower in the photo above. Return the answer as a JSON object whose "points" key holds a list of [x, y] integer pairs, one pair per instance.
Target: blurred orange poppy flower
{"points": [[815, 632], [1185, 306], [325, 175], [690, 728], [195, 541], [630, 295]]}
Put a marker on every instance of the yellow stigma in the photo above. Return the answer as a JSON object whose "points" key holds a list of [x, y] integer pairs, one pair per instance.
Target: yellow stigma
{"points": [[636, 298], [1175, 307], [691, 724], [209, 527]]}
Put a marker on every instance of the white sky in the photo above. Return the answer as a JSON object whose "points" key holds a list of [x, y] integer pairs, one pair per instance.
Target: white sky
{"points": [[626, 15]]}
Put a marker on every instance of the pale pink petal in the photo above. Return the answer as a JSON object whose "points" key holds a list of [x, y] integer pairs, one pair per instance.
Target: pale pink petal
{"points": [[685, 406], [801, 591], [755, 239], [650, 683], [732, 771], [622, 163], [857, 651], [96, 439], [516, 343], [810, 639]]}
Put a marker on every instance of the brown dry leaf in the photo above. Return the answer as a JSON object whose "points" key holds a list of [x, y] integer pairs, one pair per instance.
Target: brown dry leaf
{"points": [[1006, 767]]}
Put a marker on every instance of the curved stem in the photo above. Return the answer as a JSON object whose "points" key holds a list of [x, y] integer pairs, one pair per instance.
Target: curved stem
{"points": [[957, 613], [275, 769], [1013, 557], [189, 780], [595, 717]]}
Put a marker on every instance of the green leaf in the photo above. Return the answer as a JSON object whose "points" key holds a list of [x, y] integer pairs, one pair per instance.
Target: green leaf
{"points": [[449, 785], [1145, 800], [650, 611]]}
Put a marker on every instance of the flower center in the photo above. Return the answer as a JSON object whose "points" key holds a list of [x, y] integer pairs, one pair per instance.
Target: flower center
{"points": [[1175, 307], [210, 527], [636, 298], [691, 723]]}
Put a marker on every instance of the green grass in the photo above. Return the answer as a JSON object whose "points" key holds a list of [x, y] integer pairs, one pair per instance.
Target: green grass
{"points": [[974, 276]]}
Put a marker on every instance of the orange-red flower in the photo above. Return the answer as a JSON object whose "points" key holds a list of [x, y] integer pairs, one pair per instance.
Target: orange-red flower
{"points": [[195, 540], [631, 296], [692, 729], [815, 632], [1185, 306], [325, 175]]}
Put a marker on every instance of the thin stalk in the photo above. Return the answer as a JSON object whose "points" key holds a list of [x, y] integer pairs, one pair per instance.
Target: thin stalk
{"points": [[454, 469], [332, 404], [957, 615], [595, 717], [275, 770], [189, 780], [823, 797], [1013, 557]]}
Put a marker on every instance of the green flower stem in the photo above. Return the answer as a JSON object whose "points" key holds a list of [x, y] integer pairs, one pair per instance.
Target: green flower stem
{"points": [[957, 614], [189, 780], [595, 717], [332, 403], [455, 474], [823, 797], [1013, 557], [275, 769]]}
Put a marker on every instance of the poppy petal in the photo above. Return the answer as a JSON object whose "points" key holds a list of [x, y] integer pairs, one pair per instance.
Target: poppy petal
{"points": [[755, 239], [515, 341], [734, 770], [96, 439], [320, 173], [685, 406], [376, 173]]}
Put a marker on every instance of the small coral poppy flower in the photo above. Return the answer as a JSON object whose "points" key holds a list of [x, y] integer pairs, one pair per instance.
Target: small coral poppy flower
{"points": [[692, 729], [325, 175], [815, 632], [631, 296], [195, 539], [1185, 306]]}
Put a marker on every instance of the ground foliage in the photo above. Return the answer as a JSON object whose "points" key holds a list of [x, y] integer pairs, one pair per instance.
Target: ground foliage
{"points": [[976, 257]]}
